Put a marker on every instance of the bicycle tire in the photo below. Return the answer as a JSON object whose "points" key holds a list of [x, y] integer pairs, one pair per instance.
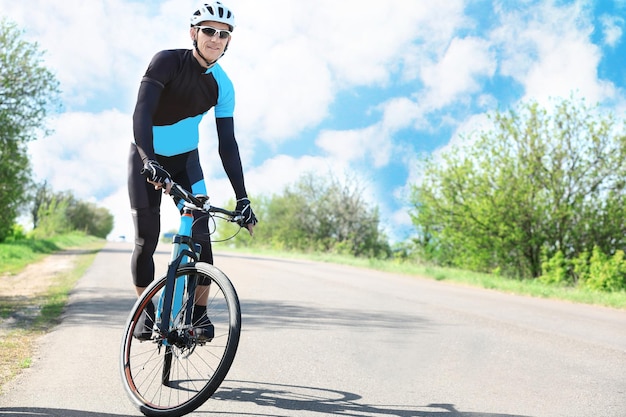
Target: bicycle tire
{"points": [[177, 385]]}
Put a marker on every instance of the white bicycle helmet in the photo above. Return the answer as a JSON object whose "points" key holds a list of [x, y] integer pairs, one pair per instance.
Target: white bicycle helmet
{"points": [[215, 11]]}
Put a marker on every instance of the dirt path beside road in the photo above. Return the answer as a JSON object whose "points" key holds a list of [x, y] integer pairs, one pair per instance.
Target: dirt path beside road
{"points": [[28, 286], [22, 297]]}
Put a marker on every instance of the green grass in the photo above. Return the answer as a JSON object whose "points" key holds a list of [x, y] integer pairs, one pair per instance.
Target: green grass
{"points": [[22, 253], [532, 288], [16, 343], [15, 255]]}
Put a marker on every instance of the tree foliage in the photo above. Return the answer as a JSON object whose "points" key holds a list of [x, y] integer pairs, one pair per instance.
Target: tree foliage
{"points": [[540, 185], [14, 180], [41, 195], [319, 213], [27, 93], [58, 213]]}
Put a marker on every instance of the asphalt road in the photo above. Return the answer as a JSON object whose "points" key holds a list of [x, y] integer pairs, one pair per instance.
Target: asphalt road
{"points": [[321, 340]]}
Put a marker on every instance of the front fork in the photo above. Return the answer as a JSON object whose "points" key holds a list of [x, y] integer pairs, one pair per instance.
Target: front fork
{"points": [[172, 308]]}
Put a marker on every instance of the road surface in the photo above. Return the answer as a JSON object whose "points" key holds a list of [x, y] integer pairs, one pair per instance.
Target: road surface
{"points": [[322, 340]]}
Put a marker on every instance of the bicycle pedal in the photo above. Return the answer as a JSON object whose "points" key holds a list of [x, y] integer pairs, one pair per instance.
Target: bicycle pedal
{"points": [[204, 335], [144, 336]]}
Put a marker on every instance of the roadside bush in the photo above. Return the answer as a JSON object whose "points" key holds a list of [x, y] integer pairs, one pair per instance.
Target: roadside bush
{"points": [[60, 213], [52, 219], [606, 273], [16, 233], [596, 271], [555, 269]]}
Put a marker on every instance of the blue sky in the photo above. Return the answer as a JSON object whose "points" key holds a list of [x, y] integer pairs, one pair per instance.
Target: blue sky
{"points": [[358, 88]]}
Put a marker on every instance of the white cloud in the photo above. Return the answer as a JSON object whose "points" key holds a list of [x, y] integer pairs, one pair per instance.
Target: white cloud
{"points": [[355, 39], [399, 113], [371, 143], [281, 92], [548, 50], [439, 23], [88, 45], [612, 29], [458, 71], [86, 153], [290, 60], [276, 173]]}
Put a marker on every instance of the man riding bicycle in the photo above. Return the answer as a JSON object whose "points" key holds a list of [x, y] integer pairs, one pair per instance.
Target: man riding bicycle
{"points": [[178, 88]]}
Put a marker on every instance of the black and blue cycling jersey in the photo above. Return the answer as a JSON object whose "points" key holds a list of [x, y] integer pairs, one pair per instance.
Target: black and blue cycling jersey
{"points": [[188, 91], [174, 95]]}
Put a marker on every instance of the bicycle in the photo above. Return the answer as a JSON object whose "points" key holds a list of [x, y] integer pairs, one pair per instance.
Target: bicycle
{"points": [[175, 371]]}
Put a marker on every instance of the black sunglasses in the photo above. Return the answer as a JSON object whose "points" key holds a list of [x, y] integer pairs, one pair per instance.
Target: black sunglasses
{"points": [[210, 32]]}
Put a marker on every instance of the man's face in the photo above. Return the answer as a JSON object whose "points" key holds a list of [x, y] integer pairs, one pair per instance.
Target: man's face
{"points": [[210, 43]]}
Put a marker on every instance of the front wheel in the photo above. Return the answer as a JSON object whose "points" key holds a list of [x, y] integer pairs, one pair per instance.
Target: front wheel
{"points": [[167, 376]]}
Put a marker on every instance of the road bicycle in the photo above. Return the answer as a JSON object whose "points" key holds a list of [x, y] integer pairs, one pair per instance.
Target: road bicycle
{"points": [[174, 370]]}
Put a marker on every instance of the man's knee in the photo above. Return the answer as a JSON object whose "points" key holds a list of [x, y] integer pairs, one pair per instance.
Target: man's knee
{"points": [[147, 227]]}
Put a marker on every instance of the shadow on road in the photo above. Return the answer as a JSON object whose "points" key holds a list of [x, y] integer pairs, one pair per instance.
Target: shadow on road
{"points": [[51, 412], [95, 307], [282, 397], [328, 402]]}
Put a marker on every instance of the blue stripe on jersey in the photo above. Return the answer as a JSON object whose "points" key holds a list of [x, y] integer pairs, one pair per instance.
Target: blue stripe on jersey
{"points": [[225, 106], [178, 138]]}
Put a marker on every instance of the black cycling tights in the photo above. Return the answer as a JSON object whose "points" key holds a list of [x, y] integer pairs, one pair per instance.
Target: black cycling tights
{"points": [[146, 202]]}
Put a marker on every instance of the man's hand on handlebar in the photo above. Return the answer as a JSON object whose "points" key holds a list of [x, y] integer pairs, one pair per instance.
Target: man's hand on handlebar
{"points": [[248, 219], [157, 175]]}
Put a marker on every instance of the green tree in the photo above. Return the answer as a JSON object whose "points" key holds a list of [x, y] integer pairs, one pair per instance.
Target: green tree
{"points": [[539, 182], [87, 217], [61, 212], [14, 182], [321, 214], [27, 93], [42, 193], [52, 215]]}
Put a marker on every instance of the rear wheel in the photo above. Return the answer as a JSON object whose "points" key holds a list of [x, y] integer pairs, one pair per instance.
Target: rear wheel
{"points": [[172, 374]]}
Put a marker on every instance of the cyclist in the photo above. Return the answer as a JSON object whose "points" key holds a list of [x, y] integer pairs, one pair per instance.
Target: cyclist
{"points": [[178, 88]]}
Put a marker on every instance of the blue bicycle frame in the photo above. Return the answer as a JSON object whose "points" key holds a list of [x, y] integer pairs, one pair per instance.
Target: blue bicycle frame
{"points": [[171, 302]]}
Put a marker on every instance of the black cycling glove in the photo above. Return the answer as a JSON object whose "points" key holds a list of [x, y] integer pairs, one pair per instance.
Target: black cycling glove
{"points": [[154, 172], [247, 215]]}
